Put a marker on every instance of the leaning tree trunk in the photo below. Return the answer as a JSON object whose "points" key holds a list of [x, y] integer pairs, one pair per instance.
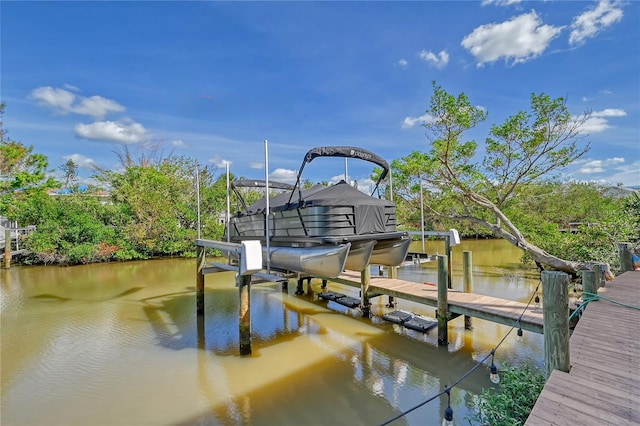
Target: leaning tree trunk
{"points": [[506, 229], [541, 256]]}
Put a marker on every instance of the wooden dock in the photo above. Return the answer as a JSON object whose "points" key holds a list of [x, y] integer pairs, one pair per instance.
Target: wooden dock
{"points": [[489, 308], [603, 385]]}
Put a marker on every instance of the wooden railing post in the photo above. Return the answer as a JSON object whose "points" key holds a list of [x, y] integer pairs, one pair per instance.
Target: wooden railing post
{"points": [[597, 268], [626, 254], [443, 332], [467, 270], [365, 282], [589, 283], [7, 248], [200, 261], [555, 311], [244, 289]]}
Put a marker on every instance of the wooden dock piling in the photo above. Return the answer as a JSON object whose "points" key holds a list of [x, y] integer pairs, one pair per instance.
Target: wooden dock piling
{"points": [[467, 283], [443, 332], [625, 251], [589, 283], [555, 305]]}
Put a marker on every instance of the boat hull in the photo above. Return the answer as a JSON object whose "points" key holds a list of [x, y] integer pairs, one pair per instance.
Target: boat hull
{"points": [[390, 252], [360, 255], [319, 261]]}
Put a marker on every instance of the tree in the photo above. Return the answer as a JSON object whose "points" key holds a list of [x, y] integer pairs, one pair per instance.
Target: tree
{"points": [[528, 147], [158, 200], [20, 168], [70, 172]]}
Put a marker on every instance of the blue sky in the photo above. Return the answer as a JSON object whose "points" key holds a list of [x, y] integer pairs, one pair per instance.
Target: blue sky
{"points": [[213, 80]]}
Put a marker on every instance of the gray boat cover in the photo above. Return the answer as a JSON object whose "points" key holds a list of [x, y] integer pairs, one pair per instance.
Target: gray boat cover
{"points": [[369, 211]]}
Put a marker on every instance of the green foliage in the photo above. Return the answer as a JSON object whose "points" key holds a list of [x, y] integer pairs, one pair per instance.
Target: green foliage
{"points": [[527, 148], [511, 403], [69, 229], [544, 211], [158, 204], [152, 210]]}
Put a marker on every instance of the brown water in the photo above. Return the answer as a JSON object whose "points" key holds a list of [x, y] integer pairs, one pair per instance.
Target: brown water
{"points": [[118, 344]]}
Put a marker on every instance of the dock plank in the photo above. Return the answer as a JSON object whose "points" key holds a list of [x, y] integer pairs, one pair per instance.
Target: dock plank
{"points": [[603, 385]]}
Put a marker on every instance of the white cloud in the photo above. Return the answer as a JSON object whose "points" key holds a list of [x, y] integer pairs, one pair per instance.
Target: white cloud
{"points": [[256, 165], [81, 161], [599, 166], [403, 63], [58, 99], [606, 92], [179, 143], [519, 40], [412, 121], [126, 131], [609, 112], [64, 102], [219, 162], [500, 2], [96, 106], [594, 20], [439, 60], [71, 87], [597, 121], [627, 174], [284, 175]]}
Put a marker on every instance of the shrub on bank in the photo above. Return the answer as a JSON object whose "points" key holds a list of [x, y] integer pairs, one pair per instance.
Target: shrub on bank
{"points": [[511, 402]]}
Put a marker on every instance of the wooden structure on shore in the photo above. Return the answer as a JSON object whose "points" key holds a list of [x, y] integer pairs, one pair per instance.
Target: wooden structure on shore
{"points": [[602, 386], [10, 241]]}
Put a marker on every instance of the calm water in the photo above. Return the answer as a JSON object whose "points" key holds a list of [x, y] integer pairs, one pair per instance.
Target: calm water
{"points": [[118, 344]]}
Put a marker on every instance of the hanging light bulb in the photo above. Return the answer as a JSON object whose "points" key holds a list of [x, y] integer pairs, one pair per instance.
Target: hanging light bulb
{"points": [[447, 420], [536, 301], [493, 375], [519, 338]]}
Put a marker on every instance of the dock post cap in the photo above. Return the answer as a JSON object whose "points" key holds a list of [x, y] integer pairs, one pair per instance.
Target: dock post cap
{"points": [[454, 237], [250, 257]]}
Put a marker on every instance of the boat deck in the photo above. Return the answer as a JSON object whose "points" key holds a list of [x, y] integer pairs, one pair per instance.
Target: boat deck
{"points": [[603, 385], [470, 304]]}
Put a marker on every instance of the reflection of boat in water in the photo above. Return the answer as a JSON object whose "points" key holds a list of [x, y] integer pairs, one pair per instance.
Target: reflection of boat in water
{"points": [[322, 216]]}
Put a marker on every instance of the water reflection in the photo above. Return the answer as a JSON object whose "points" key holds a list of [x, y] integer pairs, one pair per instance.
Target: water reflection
{"points": [[122, 344]]}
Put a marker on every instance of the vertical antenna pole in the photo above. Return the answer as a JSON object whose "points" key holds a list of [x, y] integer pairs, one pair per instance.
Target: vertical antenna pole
{"points": [[422, 214], [267, 230], [228, 218], [198, 197]]}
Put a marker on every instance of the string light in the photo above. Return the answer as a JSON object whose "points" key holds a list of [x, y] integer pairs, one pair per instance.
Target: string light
{"points": [[519, 338], [536, 301], [493, 375], [447, 420]]}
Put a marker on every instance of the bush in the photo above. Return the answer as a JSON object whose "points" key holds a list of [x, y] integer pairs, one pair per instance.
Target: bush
{"points": [[511, 403]]}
